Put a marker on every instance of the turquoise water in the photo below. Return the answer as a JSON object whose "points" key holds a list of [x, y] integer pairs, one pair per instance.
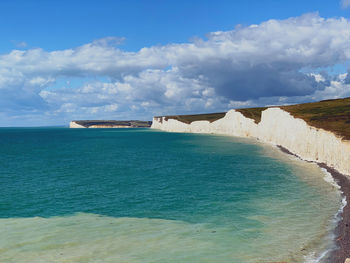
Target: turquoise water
{"points": [[139, 195]]}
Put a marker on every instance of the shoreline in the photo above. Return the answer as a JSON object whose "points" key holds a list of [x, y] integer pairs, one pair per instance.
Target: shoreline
{"points": [[318, 145], [342, 230]]}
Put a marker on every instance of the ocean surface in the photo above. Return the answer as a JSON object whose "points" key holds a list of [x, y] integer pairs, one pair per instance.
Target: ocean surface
{"points": [[140, 195]]}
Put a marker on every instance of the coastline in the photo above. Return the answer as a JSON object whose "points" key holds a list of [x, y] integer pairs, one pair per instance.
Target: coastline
{"points": [[109, 124], [342, 230]]}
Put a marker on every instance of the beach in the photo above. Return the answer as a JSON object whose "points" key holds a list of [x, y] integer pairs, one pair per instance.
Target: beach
{"points": [[342, 231]]}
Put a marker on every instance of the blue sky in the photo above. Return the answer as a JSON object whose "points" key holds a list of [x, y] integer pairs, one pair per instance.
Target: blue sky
{"points": [[64, 24], [62, 60]]}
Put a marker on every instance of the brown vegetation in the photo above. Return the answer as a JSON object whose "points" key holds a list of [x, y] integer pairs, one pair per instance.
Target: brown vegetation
{"points": [[111, 123], [252, 113], [330, 115], [196, 117]]}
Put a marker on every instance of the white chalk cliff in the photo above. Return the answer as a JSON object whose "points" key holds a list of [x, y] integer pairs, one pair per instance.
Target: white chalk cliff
{"points": [[73, 124], [276, 127]]}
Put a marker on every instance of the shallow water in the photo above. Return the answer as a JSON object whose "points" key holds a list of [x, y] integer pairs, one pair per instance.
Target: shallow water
{"points": [[139, 195]]}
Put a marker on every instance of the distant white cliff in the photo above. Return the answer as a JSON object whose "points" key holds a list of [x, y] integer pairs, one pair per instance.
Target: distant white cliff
{"points": [[277, 127], [73, 124], [109, 124]]}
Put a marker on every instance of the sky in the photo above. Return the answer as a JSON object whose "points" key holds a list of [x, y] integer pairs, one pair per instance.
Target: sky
{"points": [[83, 59]]}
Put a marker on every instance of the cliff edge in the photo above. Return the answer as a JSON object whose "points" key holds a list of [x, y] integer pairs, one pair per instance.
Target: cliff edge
{"points": [[317, 132]]}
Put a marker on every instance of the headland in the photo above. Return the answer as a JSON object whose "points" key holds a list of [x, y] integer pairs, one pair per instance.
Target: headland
{"points": [[109, 124]]}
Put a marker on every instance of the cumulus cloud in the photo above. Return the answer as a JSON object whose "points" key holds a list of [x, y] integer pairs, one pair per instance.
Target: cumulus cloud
{"points": [[268, 63]]}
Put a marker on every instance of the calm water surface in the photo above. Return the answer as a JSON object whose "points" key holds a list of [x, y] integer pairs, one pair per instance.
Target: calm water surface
{"points": [[139, 195]]}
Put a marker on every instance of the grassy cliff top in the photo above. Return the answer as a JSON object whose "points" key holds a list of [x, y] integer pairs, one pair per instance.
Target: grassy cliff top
{"points": [[330, 115], [252, 113], [88, 123], [196, 117]]}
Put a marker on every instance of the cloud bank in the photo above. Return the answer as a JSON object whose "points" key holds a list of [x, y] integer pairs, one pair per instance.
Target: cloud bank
{"points": [[277, 61]]}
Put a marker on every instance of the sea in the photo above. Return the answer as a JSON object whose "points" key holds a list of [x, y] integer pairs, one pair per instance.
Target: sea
{"points": [[142, 195]]}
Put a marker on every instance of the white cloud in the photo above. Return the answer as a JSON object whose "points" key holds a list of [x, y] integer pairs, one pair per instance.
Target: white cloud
{"points": [[253, 65], [338, 88], [318, 77]]}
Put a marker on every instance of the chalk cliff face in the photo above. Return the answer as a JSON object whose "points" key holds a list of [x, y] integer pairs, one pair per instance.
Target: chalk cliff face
{"points": [[277, 127], [73, 124]]}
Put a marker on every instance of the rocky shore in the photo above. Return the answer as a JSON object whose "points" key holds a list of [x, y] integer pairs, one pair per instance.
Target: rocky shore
{"points": [[342, 231]]}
